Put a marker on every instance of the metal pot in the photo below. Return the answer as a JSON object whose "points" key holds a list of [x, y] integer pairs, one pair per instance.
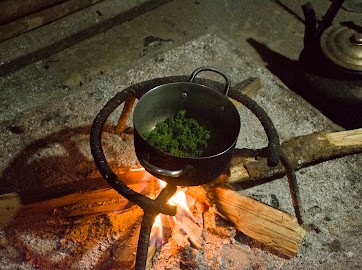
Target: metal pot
{"points": [[205, 104]]}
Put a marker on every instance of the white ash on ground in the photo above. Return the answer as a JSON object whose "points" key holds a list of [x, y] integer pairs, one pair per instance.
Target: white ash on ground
{"points": [[223, 248]]}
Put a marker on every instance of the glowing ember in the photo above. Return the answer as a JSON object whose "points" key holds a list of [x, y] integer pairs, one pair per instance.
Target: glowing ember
{"points": [[137, 169]]}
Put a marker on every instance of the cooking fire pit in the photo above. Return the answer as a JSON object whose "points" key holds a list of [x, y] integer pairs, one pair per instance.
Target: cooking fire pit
{"points": [[151, 207]]}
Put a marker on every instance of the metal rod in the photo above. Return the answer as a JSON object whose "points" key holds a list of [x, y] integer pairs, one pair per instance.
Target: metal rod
{"points": [[273, 149], [293, 186], [144, 239], [146, 226]]}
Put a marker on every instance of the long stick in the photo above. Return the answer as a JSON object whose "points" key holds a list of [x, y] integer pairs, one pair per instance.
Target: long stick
{"points": [[14, 9], [127, 109], [42, 17], [302, 151]]}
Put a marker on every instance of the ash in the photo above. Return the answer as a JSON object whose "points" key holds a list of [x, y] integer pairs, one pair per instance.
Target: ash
{"points": [[223, 248]]}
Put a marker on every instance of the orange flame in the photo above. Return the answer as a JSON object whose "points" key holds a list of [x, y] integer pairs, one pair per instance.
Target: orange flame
{"points": [[159, 231], [157, 227], [161, 183], [179, 200], [156, 237]]}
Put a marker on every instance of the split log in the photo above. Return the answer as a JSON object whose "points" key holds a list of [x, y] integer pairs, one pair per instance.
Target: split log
{"points": [[302, 151], [274, 228], [96, 202], [193, 231], [17, 210], [249, 87], [150, 254]]}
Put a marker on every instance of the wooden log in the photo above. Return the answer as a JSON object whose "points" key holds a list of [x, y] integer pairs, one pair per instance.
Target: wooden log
{"points": [[193, 231], [274, 228], [250, 86], [96, 202], [302, 151], [150, 254], [347, 138], [122, 121], [17, 209], [14, 9], [156, 239], [33, 21], [269, 226]]}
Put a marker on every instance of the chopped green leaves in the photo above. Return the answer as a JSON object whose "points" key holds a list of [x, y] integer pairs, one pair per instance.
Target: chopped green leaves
{"points": [[179, 135]]}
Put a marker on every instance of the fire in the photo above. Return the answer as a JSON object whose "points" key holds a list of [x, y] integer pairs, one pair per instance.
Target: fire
{"points": [[156, 232], [161, 183], [184, 221], [183, 213], [179, 200]]}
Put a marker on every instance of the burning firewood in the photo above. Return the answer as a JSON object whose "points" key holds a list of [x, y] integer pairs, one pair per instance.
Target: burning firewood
{"points": [[263, 223], [269, 226], [193, 231], [185, 219], [95, 202], [333, 145]]}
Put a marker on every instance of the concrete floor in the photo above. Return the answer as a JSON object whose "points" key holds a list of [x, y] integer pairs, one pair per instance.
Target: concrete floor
{"points": [[269, 31], [255, 25], [252, 24]]}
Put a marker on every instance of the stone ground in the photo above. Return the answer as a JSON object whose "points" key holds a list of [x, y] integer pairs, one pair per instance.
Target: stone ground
{"points": [[66, 91]]}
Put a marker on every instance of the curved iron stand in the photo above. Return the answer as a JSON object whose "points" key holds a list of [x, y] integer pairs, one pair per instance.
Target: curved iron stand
{"points": [[151, 207]]}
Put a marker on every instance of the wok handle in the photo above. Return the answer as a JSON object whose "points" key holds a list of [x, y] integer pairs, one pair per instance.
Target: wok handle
{"points": [[169, 173], [200, 69]]}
